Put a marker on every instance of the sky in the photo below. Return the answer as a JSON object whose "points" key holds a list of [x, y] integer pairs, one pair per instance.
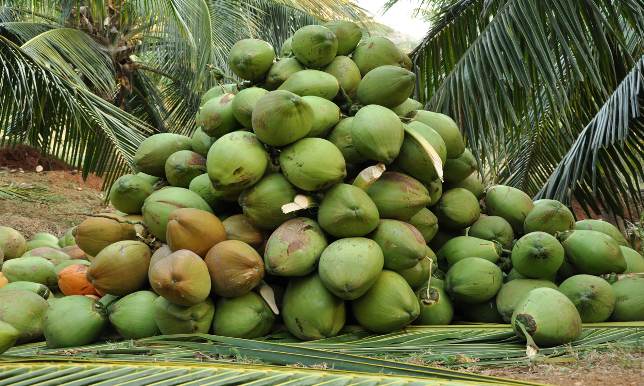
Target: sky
{"points": [[400, 17]]}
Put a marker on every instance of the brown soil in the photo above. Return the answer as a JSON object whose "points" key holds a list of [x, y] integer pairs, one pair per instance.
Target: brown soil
{"points": [[27, 158]]}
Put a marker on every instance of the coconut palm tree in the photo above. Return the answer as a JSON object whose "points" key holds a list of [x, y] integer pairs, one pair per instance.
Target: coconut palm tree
{"points": [[88, 80], [548, 93]]}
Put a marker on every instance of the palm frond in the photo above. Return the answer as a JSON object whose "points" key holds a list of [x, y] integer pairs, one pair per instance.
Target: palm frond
{"points": [[20, 31]]}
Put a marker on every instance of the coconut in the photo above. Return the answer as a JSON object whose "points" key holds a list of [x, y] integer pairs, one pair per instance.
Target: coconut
{"points": [[201, 142], [175, 319], [458, 208], [446, 127], [398, 196], [181, 167], [435, 189], [341, 137], [402, 244], [66, 263], [96, 233], [314, 46], [294, 248], [473, 183], [312, 82], [377, 133], [548, 316], [120, 268], [512, 292], [12, 243], [162, 252], [459, 168], [592, 252], [281, 117], [74, 252], [426, 223], [389, 305], [236, 161], [280, 71], [310, 311], [441, 237], [550, 216], [629, 299], [45, 236], [217, 200], [375, 52], [634, 261], [603, 227], [326, 115], [485, 312], [244, 103], [133, 315], [68, 238], [25, 311], [73, 321], [473, 280], [313, 164], [235, 268], [346, 72], [493, 228], [181, 277], [37, 288], [195, 230], [216, 116], [239, 227], [218, 90], [435, 307], [33, 268], [348, 34], [33, 244], [262, 202], [250, 59], [347, 211], [510, 203], [414, 159], [8, 336], [537, 255], [247, 316], [349, 267], [405, 108], [55, 255], [285, 50], [592, 296], [152, 153], [72, 280], [386, 86], [418, 275], [128, 193]]}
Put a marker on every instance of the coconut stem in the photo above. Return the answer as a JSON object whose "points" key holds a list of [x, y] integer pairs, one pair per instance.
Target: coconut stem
{"points": [[429, 279]]}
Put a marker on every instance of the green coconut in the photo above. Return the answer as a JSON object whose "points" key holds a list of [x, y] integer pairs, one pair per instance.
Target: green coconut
{"points": [[218, 90], [414, 159], [67, 240], [37, 288], [262, 202], [250, 59], [285, 49], [603, 227], [407, 62], [418, 275], [512, 292], [74, 320], [12, 243], [550, 216], [33, 244], [347, 211], [120, 268], [45, 236], [96, 233], [152, 153], [340, 136], [326, 115], [216, 116], [181, 277], [473, 280], [348, 34], [426, 222], [217, 200], [537, 255], [313, 83], [389, 305], [485, 312], [446, 127], [128, 193], [133, 315], [435, 189], [398, 196], [457, 208], [35, 269], [592, 252], [240, 227], [247, 316], [175, 319], [25, 311], [8, 336], [592, 296], [236, 161], [377, 133], [346, 72], [441, 237], [386, 86], [280, 71], [201, 142], [634, 261], [510, 203], [375, 52], [402, 244], [310, 311], [313, 164], [314, 46], [459, 168], [473, 183], [405, 108], [158, 206], [435, 307], [629, 300], [294, 248], [59, 267], [493, 228], [281, 117], [548, 316], [349, 267], [56, 256], [183, 166], [460, 247], [244, 103]]}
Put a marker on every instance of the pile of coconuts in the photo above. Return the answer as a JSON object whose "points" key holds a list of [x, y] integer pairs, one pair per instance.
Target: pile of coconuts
{"points": [[315, 194]]}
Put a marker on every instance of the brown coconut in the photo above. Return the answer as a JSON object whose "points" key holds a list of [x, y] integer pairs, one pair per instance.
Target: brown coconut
{"points": [[181, 277], [96, 233], [194, 229], [75, 252], [235, 268], [159, 254], [239, 227]]}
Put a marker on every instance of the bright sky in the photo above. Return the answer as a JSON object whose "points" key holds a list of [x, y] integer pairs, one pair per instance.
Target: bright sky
{"points": [[400, 17]]}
